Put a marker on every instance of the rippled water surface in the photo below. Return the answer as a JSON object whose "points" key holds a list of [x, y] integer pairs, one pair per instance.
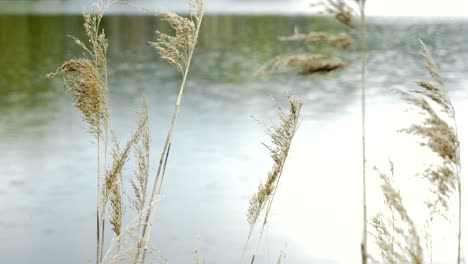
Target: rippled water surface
{"points": [[47, 162]]}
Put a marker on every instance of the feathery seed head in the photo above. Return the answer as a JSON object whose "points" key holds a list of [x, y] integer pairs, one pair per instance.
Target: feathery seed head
{"points": [[82, 80], [397, 238], [86, 78], [142, 152], [339, 9], [176, 49], [437, 133], [281, 137]]}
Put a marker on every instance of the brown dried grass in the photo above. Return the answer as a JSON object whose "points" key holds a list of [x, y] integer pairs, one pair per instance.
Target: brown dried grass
{"points": [[304, 64]]}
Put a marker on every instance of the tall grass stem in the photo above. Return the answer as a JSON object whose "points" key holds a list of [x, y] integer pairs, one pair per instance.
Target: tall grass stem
{"points": [[363, 44]]}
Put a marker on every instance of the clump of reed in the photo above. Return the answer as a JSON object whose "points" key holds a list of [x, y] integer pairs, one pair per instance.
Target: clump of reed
{"points": [[281, 138], [87, 80], [438, 132], [396, 236]]}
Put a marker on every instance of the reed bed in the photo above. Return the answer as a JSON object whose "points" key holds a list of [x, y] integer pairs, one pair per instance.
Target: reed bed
{"points": [[396, 236]]}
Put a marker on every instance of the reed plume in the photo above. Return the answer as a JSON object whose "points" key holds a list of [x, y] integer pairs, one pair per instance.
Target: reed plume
{"points": [[281, 138], [142, 154], [339, 9], [81, 77], [113, 185], [397, 238], [176, 50], [438, 132]]}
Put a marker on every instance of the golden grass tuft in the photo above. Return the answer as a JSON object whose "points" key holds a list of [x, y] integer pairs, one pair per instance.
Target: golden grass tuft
{"points": [[340, 40]]}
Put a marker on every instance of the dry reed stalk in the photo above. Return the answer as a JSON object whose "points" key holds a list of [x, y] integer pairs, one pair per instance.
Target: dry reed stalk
{"points": [[281, 137], [440, 137], [178, 51], [363, 49], [304, 63], [340, 40], [86, 79], [339, 9], [397, 238]]}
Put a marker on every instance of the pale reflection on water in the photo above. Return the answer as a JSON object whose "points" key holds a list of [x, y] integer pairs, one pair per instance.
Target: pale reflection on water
{"points": [[47, 182]]}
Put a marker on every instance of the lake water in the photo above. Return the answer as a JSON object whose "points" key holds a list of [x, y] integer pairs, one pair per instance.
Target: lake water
{"points": [[47, 164]]}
